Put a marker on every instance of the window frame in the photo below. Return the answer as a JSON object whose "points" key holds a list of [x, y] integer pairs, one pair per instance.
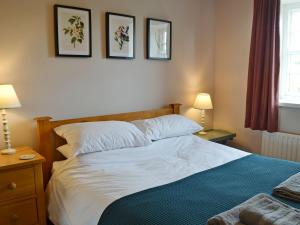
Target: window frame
{"points": [[286, 100]]}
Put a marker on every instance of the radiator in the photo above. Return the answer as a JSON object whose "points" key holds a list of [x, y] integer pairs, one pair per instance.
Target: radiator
{"points": [[281, 145]]}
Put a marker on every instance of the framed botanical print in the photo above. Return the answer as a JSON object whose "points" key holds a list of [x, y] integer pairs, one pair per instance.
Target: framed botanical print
{"points": [[72, 31], [159, 39], [120, 36]]}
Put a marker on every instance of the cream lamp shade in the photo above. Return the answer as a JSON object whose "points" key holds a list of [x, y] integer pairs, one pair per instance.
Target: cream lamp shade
{"points": [[8, 97], [203, 101]]}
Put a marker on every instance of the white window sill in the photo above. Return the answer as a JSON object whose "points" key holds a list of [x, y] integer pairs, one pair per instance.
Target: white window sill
{"points": [[289, 105]]}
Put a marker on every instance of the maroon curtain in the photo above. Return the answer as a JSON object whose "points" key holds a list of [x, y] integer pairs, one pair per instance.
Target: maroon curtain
{"points": [[264, 62]]}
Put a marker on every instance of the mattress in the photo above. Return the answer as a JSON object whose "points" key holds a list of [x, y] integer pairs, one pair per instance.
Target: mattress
{"points": [[82, 187]]}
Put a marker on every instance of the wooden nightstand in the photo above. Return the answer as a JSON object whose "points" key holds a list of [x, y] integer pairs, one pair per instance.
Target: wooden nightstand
{"points": [[22, 199], [219, 136]]}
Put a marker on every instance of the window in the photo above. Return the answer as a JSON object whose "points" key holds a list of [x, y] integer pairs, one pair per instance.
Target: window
{"points": [[290, 53]]}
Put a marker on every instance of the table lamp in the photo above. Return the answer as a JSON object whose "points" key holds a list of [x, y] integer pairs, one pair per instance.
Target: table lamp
{"points": [[8, 100], [203, 102]]}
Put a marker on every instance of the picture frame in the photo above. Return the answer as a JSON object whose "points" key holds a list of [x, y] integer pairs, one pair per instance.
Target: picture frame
{"points": [[159, 39], [120, 36], [73, 31]]}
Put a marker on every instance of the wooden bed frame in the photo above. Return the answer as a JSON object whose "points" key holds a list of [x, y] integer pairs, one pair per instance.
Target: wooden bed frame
{"points": [[48, 141]]}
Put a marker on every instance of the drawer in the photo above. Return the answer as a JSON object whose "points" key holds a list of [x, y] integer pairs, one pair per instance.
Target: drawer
{"points": [[16, 183], [20, 213]]}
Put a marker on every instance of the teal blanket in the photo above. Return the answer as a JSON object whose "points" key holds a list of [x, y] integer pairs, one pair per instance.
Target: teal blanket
{"points": [[193, 200]]}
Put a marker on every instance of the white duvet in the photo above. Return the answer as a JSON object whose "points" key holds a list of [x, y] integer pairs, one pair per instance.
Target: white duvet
{"points": [[82, 187]]}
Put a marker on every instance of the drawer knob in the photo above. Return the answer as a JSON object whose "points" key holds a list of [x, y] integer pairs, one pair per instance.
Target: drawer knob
{"points": [[14, 218], [12, 186]]}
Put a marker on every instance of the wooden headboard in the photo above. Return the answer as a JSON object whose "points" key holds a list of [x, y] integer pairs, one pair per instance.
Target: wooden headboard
{"points": [[48, 141]]}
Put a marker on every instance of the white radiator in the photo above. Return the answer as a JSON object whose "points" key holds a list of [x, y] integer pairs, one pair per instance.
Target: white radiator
{"points": [[281, 145]]}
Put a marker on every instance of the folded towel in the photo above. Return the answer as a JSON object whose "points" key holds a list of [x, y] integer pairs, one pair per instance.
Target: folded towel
{"points": [[248, 212], [269, 211], [289, 189], [219, 221], [231, 217]]}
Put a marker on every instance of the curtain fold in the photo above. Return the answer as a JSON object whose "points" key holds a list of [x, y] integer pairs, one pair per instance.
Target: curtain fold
{"points": [[264, 62]]}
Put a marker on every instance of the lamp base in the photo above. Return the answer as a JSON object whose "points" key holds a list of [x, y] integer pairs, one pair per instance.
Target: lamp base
{"points": [[9, 151], [202, 133]]}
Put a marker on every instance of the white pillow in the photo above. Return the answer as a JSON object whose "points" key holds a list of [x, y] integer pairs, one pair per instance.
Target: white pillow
{"points": [[167, 126], [101, 136], [65, 150]]}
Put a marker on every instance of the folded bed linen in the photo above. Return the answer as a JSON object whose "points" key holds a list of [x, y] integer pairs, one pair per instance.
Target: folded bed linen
{"points": [[232, 216], [261, 209], [289, 189], [269, 211]]}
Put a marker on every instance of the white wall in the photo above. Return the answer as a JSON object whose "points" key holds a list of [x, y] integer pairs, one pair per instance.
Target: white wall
{"points": [[68, 87], [233, 34]]}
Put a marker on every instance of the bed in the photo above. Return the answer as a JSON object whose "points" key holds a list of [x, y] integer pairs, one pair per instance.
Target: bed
{"points": [[181, 180]]}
